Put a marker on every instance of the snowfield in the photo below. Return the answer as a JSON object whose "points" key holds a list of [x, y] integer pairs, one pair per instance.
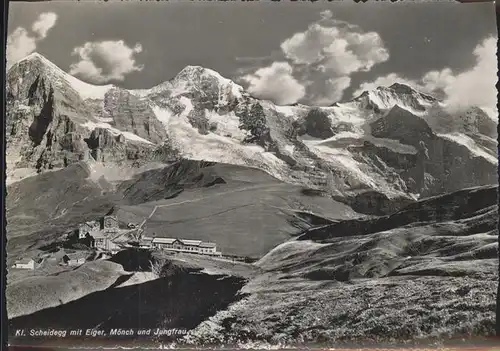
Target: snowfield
{"points": [[470, 144], [130, 136], [162, 114], [227, 124], [386, 99], [85, 90]]}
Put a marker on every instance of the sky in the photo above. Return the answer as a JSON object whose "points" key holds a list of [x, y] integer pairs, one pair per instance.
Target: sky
{"points": [[314, 53]]}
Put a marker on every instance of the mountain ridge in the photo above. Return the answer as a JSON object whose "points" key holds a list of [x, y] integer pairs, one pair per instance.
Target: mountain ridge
{"points": [[55, 119]]}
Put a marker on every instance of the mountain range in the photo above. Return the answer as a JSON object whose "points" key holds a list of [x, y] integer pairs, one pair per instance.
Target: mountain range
{"points": [[389, 146]]}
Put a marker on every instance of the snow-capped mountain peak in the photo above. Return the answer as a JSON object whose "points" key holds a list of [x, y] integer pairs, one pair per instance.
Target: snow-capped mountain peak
{"points": [[385, 98], [37, 62], [192, 79], [204, 77]]}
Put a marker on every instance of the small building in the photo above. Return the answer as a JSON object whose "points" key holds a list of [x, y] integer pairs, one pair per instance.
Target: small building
{"points": [[59, 257], [110, 224], [184, 245], [102, 242], [88, 228], [146, 242], [25, 263], [76, 259]]}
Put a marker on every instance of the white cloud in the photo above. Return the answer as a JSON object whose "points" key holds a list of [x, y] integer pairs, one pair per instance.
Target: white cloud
{"points": [[331, 91], [326, 14], [103, 61], [437, 80], [474, 87], [44, 23], [325, 55], [276, 83], [336, 50], [20, 43]]}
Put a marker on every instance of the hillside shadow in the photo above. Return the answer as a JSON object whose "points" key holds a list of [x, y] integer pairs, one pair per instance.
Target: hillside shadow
{"points": [[180, 301]]}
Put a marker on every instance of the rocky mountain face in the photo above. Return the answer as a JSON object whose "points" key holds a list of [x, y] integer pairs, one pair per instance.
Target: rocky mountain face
{"points": [[51, 124], [377, 152]]}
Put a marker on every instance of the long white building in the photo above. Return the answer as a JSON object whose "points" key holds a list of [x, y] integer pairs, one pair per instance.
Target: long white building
{"points": [[181, 245]]}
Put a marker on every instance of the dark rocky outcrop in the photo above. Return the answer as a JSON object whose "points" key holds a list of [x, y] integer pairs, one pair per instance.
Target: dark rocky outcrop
{"points": [[46, 120], [316, 124], [458, 205], [131, 114], [402, 125], [437, 157]]}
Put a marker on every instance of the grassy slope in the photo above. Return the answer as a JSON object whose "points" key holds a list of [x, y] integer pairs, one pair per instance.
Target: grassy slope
{"points": [[33, 294], [41, 209], [413, 275], [247, 215]]}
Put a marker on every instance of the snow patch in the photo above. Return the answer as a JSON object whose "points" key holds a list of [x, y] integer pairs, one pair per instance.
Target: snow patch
{"points": [[346, 139], [343, 159], [468, 142], [188, 104], [234, 88], [104, 119], [141, 93], [130, 136], [85, 90], [217, 148], [23, 107], [162, 114], [179, 89], [289, 148], [342, 135], [88, 91], [292, 112], [346, 113], [227, 125], [385, 99]]}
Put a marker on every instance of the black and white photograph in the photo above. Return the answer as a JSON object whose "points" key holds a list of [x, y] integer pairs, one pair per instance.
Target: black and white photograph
{"points": [[251, 174]]}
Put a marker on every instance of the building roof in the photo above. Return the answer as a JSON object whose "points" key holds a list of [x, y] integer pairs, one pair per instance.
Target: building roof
{"points": [[164, 240], [183, 241], [77, 258], [78, 255], [191, 242], [113, 245], [209, 245], [24, 260]]}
